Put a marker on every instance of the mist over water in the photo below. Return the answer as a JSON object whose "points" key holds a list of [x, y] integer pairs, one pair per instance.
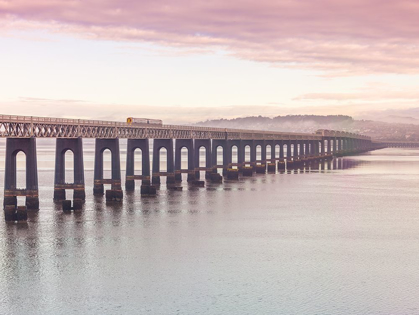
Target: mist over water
{"points": [[336, 241]]}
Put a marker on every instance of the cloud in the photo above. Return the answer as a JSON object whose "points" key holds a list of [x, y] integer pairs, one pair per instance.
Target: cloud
{"points": [[345, 37], [48, 100], [379, 95]]}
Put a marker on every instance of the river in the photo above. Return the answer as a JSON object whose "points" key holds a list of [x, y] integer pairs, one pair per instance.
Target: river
{"points": [[333, 241]]}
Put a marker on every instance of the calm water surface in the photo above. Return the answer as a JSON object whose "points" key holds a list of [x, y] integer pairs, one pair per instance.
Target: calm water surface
{"points": [[342, 241]]}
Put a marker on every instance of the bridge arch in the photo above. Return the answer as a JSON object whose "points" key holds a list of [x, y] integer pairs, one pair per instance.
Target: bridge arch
{"points": [[138, 161], [163, 158], [19, 162], [107, 163], [268, 150], [277, 150], [69, 166], [247, 153], [258, 149], [234, 154], [202, 156], [219, 150]]}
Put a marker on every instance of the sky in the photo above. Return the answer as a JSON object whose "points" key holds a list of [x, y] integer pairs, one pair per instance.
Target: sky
{"points": [[186, 61]]}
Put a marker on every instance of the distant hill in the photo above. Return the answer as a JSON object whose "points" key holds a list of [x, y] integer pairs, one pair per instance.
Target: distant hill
{"points": [[378, 130]]}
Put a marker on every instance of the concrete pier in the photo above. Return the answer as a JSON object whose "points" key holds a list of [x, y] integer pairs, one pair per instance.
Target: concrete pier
{"points": [[115, 193], [189, 145], [11, 192], [131, 176], [245, 161], [224, 164], [60, 184], [170, 172], [206, 144]]}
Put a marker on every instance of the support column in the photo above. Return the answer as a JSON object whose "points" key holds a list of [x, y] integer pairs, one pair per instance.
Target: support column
{"points": [[271, 143], [329, 146], [170, 174], [316, 148], [189, 145], [130, 176], [206, 143], [307, 148], [260, 168], [115, 193], [11, 192], [270, 158], [240, 155], [310, 148], [248, 166], [289, 155], [297, 150], [281, 150], [215, 145], [76, 147]]}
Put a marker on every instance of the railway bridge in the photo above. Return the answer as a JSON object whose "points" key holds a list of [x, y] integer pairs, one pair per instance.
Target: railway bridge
{"points": [[268, 151]]}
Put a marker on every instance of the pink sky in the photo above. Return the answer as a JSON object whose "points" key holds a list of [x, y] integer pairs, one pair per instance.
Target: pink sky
{"points": [[343, 36], [331, 38]]}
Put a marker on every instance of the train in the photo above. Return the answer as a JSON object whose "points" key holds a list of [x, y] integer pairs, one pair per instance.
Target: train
{"points": [[144, 121]]}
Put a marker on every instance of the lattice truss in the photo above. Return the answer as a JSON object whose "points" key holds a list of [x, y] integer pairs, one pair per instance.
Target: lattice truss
{"points": [[24, 127]]}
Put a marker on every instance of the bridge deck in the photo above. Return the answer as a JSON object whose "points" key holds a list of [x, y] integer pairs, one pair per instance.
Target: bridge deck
{"points": [[44, 127]]}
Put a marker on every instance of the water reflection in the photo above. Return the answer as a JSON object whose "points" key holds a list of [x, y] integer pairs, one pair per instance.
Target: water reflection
{"points": [[322, 166], [261, 244]]}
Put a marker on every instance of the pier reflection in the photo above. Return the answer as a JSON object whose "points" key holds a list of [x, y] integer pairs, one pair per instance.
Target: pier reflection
{"points": [[339, 163]]}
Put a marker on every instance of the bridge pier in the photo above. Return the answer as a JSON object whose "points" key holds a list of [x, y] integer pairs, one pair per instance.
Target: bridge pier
{"points": [[322, 148], [344, 146], [270, 157], [215, 165], [75, 145], [316, 148], [205, 143], [229, 156], [306, 149], [281, 150], [329, 146], [287, 155], [189, 145], [11, 192], [170, 174], [130, 176], [249, 164], [297, 150], [335, 146], [260, 164], [115, 193], [309, 149]]}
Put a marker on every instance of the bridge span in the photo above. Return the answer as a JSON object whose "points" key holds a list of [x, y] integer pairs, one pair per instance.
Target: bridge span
{"points": [[269, 151], [398, 144]]}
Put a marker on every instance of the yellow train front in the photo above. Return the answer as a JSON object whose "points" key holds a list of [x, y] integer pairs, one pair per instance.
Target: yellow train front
{"points": [[144, 121]]}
